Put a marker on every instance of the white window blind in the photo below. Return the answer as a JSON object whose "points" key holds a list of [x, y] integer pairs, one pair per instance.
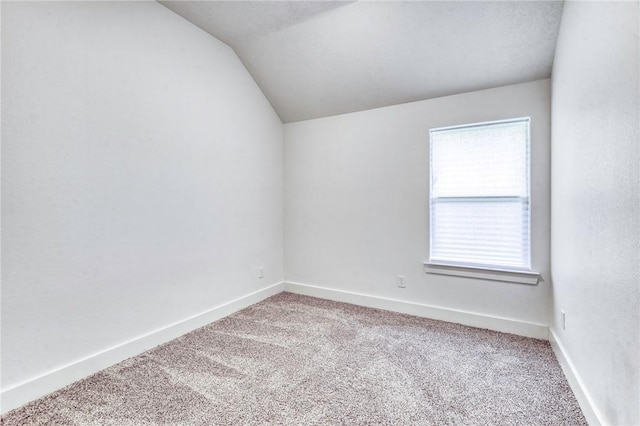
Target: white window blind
{"points": [[479, 199]]}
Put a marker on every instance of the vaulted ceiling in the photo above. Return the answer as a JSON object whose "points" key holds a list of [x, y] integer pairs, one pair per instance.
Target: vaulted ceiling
{"points": [[319, 58]]}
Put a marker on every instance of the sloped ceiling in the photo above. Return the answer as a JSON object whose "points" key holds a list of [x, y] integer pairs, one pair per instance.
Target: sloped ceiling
{"points": [[319, 58]]}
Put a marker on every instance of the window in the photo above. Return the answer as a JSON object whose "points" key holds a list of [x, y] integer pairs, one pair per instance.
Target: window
{"points": [[480, 196]]}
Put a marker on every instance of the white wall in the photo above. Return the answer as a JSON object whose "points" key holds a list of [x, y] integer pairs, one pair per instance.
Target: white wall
{"points": [[596, 202], [141, 179], [356, 202]]}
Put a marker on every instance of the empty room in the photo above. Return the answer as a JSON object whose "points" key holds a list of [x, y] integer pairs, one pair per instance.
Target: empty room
{"points": [[320, 213]]}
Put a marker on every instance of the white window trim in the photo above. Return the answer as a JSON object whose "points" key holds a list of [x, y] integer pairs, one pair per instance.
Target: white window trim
{"points": [[481, 271], [505, 275]]}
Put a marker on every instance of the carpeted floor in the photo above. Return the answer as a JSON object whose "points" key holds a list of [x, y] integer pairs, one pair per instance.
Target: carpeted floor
{"points": [[296, 360]]}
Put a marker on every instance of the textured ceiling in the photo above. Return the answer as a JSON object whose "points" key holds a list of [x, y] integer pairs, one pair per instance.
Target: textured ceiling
{"points": [[314, 58]]}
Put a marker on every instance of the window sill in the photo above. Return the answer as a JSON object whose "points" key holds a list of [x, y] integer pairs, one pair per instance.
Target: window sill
{"points": [[520, 277]]}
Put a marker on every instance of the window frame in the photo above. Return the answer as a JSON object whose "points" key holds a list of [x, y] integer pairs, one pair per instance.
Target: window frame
{"points": [[471, 269]]}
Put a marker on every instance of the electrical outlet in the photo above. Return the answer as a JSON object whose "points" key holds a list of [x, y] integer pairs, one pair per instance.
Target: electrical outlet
{"points": [[261, 272], [401, 281], [563, 318]]}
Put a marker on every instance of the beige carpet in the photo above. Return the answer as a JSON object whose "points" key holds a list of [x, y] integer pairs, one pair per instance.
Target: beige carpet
{"points": [[296, 360]]}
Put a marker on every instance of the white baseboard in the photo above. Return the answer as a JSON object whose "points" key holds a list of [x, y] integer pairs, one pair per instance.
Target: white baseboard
{"points": [[506, 325], [40, 386], [591, 413]]}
